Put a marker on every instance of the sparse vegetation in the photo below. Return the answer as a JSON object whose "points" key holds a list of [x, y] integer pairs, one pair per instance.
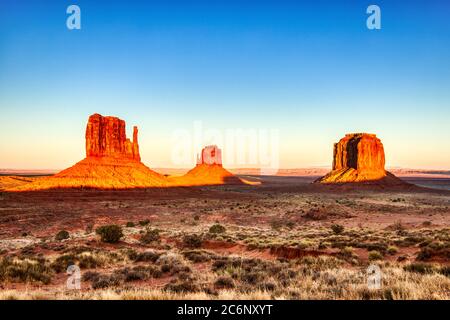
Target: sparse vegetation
{"points": [[62, 235], [279, 246], [375, 255], [143, 223], [217, 228], [150, 236], [26, 271], [192, 241], [337, 228], [110, 233]]}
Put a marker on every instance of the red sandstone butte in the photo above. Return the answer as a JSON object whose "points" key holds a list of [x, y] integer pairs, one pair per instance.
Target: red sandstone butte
{"points": [[210, 155], [208, 171], [106, 137], [112, 162], [358, 157]]}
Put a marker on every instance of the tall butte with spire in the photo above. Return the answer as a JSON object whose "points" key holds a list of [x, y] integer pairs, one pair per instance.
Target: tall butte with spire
{"points": [[106, 137], [359, 157], [112, 161]]}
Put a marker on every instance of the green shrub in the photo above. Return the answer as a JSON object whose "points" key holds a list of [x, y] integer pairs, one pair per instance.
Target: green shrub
{"points": [[337, 228], [106, 281], [192, 241], [347, 252], [62, 235], [26, 271], [197, 256], [375, 255], [224, 282], [144, 222], [130, 224], [392, 250], [147, 256], [150, 236], [110, 233], [217, 228]]}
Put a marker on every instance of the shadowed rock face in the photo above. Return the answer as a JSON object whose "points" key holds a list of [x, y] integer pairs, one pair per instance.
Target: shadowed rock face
{"points": [[357, 157], [106, 137], [359, 151]]}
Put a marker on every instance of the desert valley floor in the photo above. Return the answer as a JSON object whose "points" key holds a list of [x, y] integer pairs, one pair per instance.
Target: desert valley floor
{"points": [[283, 239]]}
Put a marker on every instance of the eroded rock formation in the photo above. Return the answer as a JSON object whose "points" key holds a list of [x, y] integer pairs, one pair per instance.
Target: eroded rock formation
{"points": [[357, 157], [210, 155], [106, 137], [360, 151], [113, 162]]}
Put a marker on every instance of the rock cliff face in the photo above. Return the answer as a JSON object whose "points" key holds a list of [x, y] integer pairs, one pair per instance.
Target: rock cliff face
{"points": [[360, 151], [357, 157], [106, 137], [113, 162]]}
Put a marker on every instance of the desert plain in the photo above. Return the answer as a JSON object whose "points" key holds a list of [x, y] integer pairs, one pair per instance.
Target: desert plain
{"points": [[284, 238]]}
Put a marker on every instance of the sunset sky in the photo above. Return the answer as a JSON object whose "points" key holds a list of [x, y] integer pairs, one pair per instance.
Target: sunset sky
{"points": [[314, 72]]}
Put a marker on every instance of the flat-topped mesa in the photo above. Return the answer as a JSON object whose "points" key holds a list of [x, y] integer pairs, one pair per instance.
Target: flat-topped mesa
{"points": [[360, 151], [106, 137], [210, 155], [358, 157]]}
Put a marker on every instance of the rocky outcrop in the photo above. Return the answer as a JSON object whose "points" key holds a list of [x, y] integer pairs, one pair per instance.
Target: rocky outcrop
{"points": [[106, 137], [208, 171], [113, 162], [210, 155], [358, 157], [360, 151]]}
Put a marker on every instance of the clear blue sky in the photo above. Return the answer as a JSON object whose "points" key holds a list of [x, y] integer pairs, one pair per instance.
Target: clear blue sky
{"points": [[311, 70]]}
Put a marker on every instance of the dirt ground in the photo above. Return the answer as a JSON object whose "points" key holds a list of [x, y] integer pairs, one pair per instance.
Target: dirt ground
{"points": [[284, 225]]}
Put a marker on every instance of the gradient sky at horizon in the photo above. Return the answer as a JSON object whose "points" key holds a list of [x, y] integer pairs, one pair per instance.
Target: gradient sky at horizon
{"points": [[311, 70]]}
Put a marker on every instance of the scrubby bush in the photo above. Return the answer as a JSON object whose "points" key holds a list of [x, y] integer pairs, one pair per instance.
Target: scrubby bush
{"points": [[173, 263], [85, 260], [224, 282], [130, 224], [106, 281], [337, 228], [419, 267], [138, 273], [62, 235], [392, 250], [150, 236], [26, 271], [147, 256], [144, 222], [198, 256], [375, 255], [217, 228], [110, 233], [192, 241], [181, 286]]}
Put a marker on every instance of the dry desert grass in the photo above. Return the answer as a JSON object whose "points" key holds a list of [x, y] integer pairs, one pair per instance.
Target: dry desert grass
{"points": [[281, 240]]}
